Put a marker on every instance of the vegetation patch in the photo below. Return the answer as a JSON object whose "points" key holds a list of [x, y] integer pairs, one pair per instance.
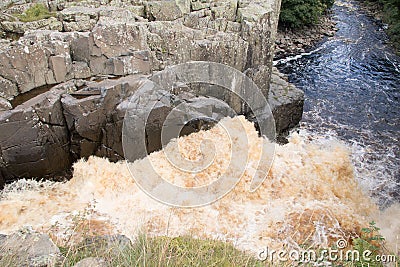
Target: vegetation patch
{"points": [[34, 13], [165, 251], [300, 13], [189, 251]]}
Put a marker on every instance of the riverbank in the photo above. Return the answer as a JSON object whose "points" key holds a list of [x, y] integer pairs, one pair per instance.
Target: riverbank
{"points": [[376, 11], [351, 88], [290, 42]]}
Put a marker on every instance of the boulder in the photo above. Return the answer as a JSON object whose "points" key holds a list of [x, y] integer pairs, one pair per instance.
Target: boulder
{"points": [[79, 18], [30, 249], [92, 262], [286, 102], [25, 66], [8, 89], [119, 39], [4, 104]]}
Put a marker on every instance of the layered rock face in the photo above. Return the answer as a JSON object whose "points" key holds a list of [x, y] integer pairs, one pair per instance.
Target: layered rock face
{"points": [[64, 85]]}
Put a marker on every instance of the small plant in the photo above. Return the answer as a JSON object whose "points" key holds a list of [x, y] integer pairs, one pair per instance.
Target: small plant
{"points": [[36, 12], [369, 241]]}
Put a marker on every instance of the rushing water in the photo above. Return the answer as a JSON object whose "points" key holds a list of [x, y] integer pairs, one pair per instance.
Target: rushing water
{"points": [[352, 88]]}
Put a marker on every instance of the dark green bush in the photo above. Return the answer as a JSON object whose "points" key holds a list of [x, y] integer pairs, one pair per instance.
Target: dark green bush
{"points": [[299, 13]]}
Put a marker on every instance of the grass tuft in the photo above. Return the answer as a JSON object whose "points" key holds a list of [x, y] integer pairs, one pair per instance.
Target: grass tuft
{"points": [[165, 251], [34, 13]]}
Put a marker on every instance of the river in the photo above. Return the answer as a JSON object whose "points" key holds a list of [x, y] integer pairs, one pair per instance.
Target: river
{"points": [[351, 82], [352, 91]]}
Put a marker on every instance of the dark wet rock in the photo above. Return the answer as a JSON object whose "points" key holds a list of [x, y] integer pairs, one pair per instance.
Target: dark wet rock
{"points": [[34, 138], [286, 102], [95, 121]]}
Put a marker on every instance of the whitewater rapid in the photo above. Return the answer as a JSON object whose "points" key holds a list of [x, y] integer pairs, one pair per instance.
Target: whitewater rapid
{"points": [[309, 196]]}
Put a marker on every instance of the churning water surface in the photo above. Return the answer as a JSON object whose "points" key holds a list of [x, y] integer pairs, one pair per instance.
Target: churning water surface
{"points": [[352, 91]]}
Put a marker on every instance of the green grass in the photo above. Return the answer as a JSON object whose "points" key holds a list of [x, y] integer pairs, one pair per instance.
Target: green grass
{"points": [[189, 251], [34, 13], [166, 251]]}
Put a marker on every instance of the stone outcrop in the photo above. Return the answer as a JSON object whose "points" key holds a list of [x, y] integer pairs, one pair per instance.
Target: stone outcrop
{"points": [[34, 138], [95, 121], [66, 83], [286, 102], [238, 33]]}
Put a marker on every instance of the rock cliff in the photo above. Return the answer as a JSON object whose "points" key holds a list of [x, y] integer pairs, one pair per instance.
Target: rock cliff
{"points": [[65, 79]]}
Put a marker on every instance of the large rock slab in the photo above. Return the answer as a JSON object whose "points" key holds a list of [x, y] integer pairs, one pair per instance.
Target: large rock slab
{"points": [[19, 27], [26, 66], [94, 120], [79, 18], [194, 45]]}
